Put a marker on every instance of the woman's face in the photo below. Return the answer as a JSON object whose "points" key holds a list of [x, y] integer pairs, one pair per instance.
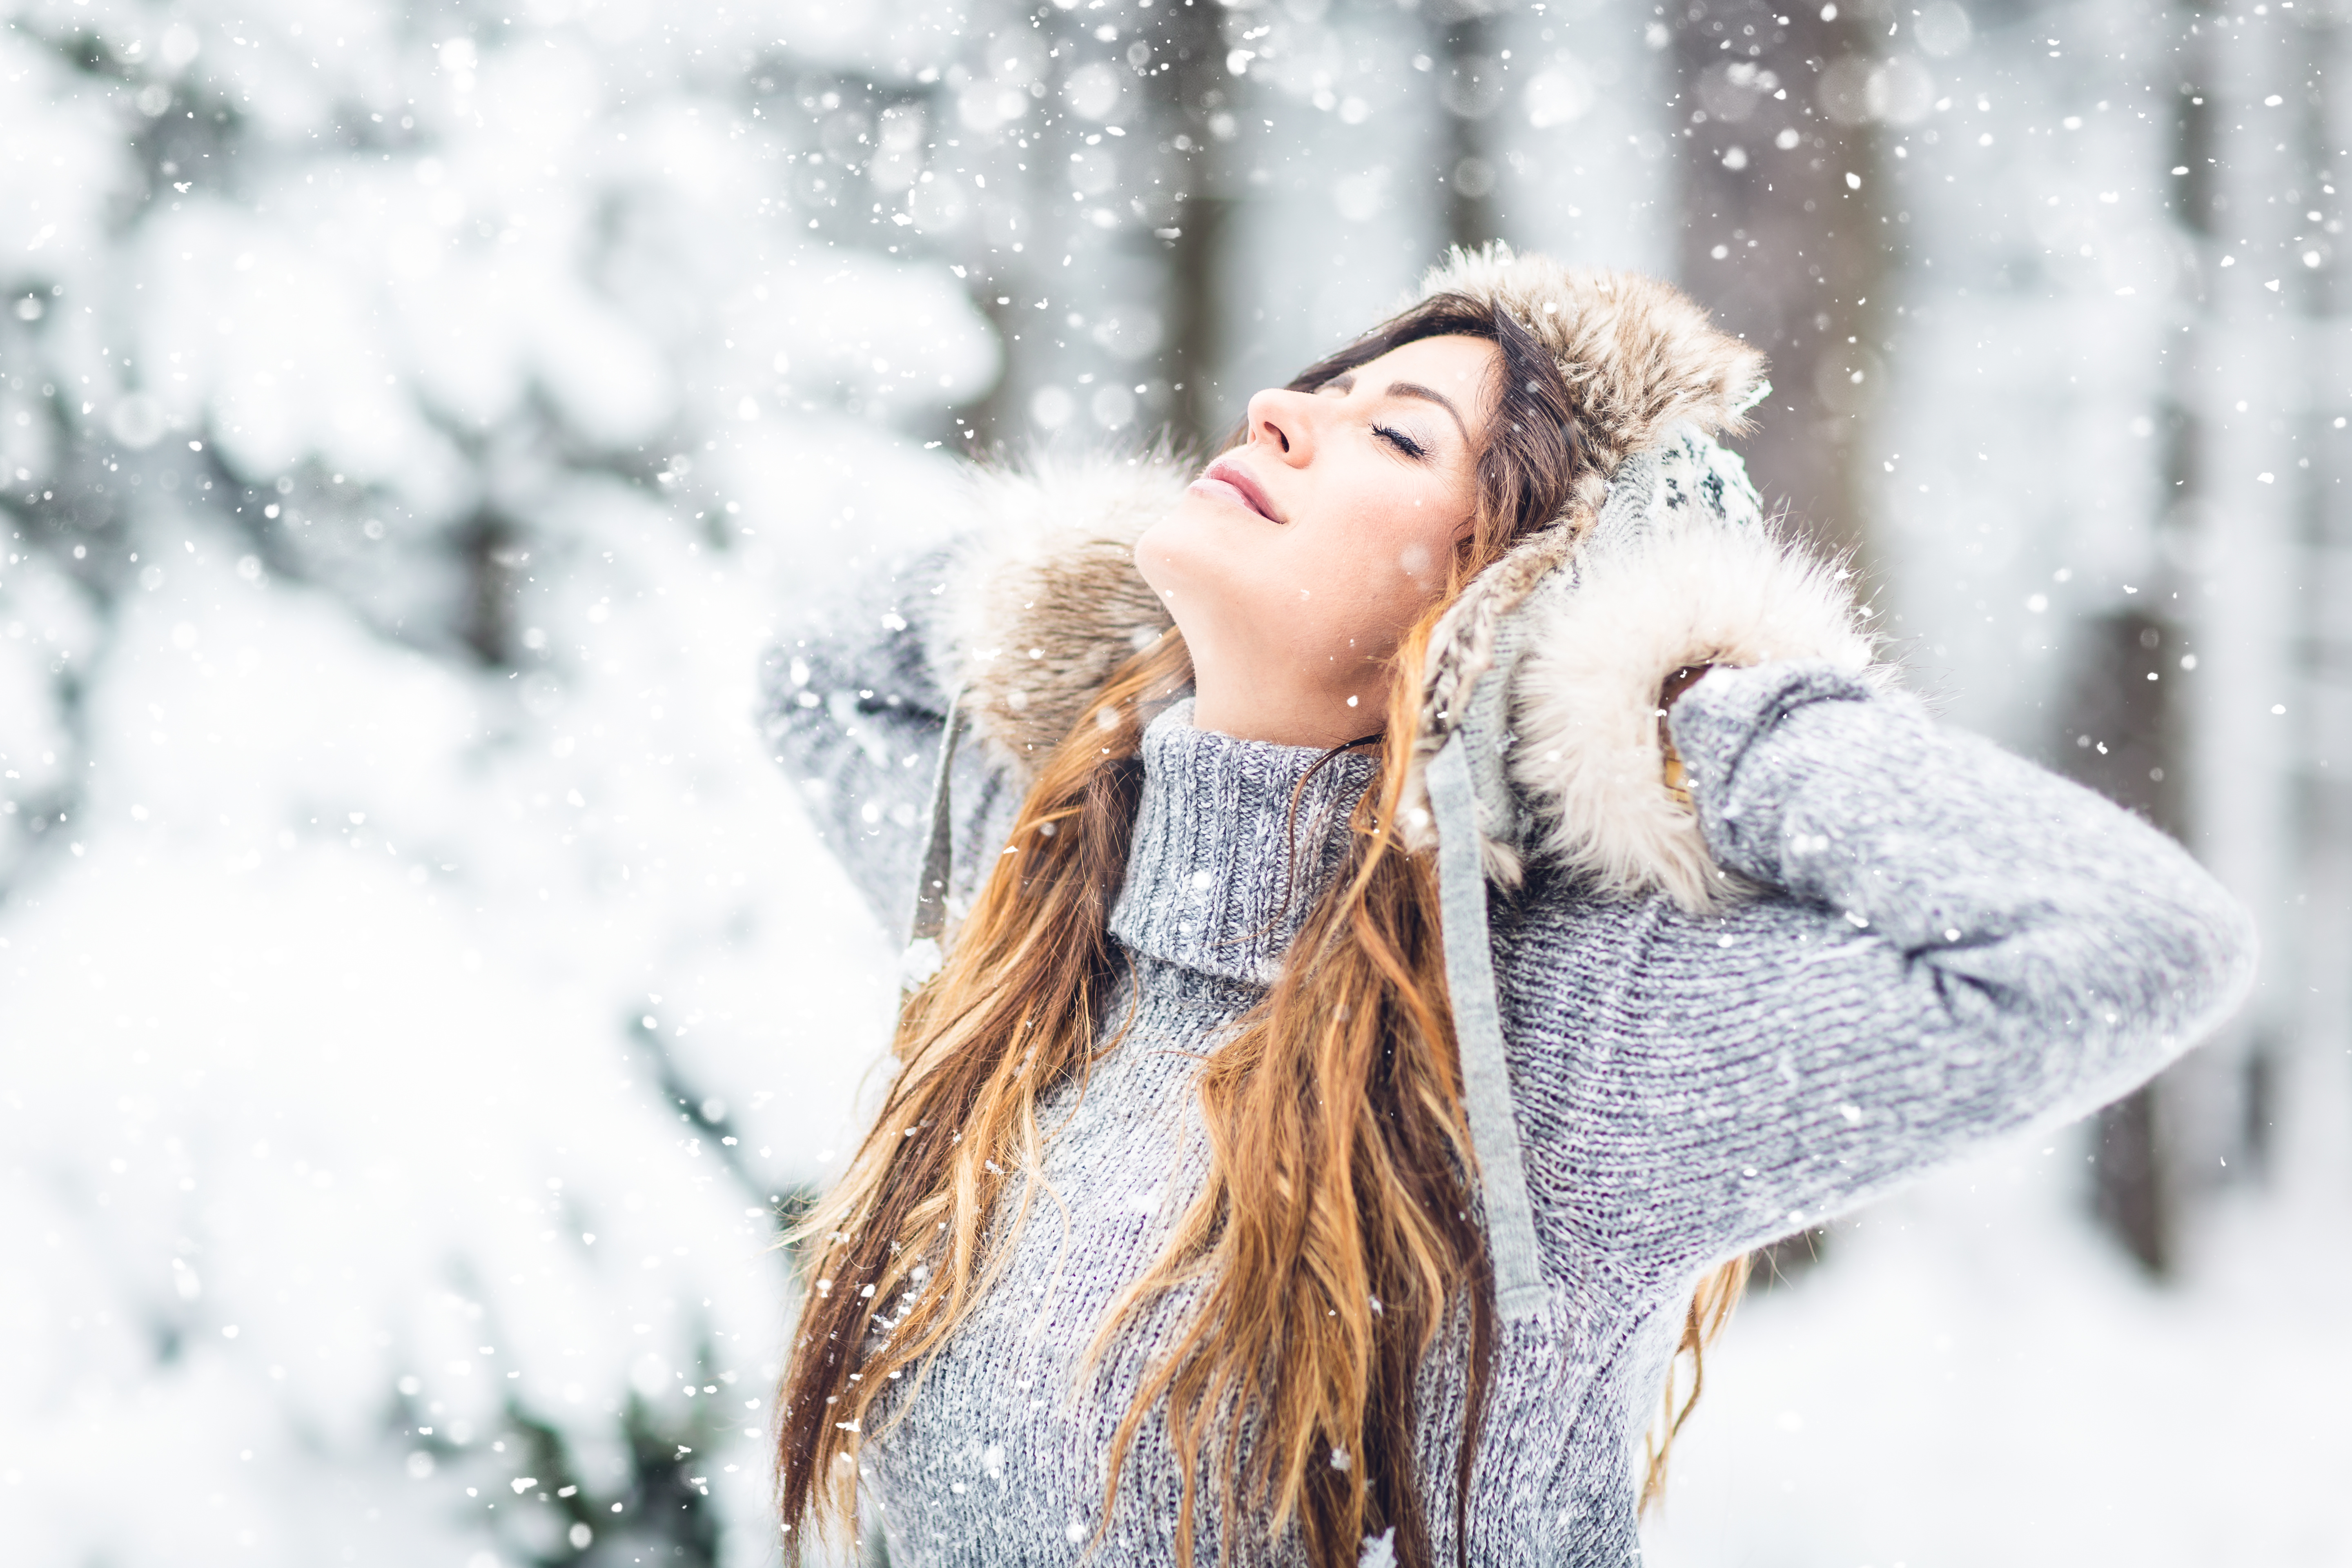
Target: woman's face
{"points": [[1296, 562]]}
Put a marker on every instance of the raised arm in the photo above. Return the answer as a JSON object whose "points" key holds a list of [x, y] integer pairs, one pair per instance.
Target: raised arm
{"points": [[1951, 945], [1032, 605], [854, 708]]}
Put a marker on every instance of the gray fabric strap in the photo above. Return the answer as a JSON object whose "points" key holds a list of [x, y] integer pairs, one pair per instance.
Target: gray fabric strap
{"points": [[1478, 1036], [931, 919]]}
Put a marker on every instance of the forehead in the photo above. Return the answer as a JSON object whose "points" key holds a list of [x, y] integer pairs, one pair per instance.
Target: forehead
{"points": [[1456, 362], [1454, 368]]}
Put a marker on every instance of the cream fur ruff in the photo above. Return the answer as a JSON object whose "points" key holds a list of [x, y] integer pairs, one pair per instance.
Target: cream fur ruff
{"points": [[1048, 603], [1584, 698]]}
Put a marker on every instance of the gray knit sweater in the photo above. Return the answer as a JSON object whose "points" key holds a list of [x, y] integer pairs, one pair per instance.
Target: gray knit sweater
{"points": [[1950, 945]]}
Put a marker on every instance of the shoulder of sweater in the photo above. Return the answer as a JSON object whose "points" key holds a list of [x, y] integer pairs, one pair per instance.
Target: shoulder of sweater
{"points": [[1558, 917]]}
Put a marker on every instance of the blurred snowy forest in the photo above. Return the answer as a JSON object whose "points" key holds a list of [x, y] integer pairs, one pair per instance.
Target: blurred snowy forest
{"points": [[419, 996]]}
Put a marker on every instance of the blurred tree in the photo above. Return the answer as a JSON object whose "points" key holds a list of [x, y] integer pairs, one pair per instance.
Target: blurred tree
{"points": [[1197, 249], [434, 332], [2204, 755], [1784, 237], [1100, 262], [2120, 735], [1471, 87]]}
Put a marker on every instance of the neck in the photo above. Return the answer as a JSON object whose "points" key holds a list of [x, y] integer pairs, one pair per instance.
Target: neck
{"points": [[1234, 843], [1233, 698]]}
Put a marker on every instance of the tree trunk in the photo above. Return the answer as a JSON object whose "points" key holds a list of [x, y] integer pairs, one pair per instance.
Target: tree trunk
{"points": [[1470, 87], [1163, 255], [1782, 236], [2120, 735]]}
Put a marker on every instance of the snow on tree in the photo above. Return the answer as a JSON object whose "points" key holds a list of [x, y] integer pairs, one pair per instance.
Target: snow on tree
{"points": [[420, 999]]}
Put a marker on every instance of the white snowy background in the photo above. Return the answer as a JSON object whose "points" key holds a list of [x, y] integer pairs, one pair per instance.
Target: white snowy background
{"points": [[419, 992]]}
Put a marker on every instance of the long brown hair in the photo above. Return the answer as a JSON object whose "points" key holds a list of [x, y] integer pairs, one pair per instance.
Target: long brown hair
{"points": [[1332, 1241]]}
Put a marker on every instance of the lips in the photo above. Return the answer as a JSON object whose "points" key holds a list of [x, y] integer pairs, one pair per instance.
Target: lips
{"points": [[1226, 481]]}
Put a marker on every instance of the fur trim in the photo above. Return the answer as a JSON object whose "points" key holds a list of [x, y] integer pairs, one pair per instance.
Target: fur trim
{"points": [[1639, 356], [1584, 701], [1641, 362], [1049, 602]]}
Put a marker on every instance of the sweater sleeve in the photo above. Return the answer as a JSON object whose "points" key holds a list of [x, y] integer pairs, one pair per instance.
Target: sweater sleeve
{"points": [[1949, 944], [853, 706]]}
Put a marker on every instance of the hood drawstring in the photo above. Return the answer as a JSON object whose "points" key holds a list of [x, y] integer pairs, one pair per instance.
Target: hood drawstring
{"points": [[930, 921], [1478, 1036]]}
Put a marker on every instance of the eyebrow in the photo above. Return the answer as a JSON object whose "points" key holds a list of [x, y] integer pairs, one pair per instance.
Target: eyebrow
{"points": [[1346, 382], [1430, 394]]}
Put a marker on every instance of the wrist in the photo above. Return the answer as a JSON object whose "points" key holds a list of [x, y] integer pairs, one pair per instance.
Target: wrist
{"points": [[1677, 779]]}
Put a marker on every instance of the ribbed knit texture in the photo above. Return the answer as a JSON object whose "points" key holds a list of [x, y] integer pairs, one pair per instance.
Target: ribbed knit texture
{"points": [[1952, 944]]}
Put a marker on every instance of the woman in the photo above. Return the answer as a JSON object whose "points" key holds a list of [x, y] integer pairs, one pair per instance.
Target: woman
{"points": [[1426, 896]]}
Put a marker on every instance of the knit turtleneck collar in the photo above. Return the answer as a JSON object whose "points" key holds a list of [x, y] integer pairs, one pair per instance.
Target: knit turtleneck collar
{"points": [[1209, 881]]}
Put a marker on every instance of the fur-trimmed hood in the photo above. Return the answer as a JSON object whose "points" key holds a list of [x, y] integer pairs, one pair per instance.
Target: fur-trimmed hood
{"points": [[1548, 668]]}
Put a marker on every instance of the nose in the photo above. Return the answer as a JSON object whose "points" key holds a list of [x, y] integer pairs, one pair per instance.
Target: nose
{"points": [[1282, 424]]}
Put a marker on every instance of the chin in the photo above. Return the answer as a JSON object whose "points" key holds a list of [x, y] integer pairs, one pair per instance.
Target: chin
{"points": [[1186, 552], [1191, 563]]}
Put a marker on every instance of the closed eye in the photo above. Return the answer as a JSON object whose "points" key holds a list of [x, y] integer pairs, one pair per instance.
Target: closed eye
{"points": [[1401, 441]]}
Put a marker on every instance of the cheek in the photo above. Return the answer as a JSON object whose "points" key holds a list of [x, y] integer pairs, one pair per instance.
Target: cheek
{"points": [[1403, 547], [1389, 569]]}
